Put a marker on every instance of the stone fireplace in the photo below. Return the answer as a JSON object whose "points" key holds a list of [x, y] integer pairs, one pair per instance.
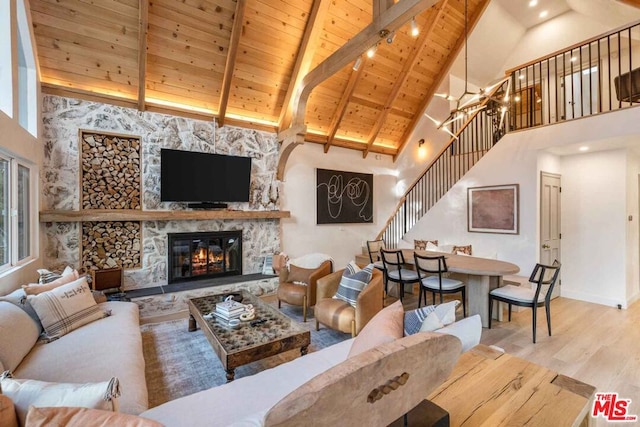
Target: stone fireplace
{"points": [[202, 255]]}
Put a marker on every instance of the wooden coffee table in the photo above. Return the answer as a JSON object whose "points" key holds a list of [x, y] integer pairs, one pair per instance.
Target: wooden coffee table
{"points": [[247, 343]]}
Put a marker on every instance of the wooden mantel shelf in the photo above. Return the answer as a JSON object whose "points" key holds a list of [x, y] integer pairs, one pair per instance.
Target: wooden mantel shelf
{"points": [[139, 215]]}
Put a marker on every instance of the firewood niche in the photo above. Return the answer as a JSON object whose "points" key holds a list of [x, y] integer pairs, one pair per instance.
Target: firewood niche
{"points": [[110, 177]]}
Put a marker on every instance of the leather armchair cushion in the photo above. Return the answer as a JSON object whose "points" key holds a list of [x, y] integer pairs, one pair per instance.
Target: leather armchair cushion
{"points": [[335, 313], [291, 293]]}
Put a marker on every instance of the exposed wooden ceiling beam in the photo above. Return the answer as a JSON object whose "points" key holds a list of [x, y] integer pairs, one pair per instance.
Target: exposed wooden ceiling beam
{"points": [[344, 102], [143, 29], [442, 75], [396, 16], [408, 65], [381, 6], [305, 56], [236, 32]]}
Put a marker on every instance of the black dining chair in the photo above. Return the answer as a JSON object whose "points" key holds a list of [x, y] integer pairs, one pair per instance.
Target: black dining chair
{"points": [[373, 249], [394, 265], [543, 276], [431, 271]]}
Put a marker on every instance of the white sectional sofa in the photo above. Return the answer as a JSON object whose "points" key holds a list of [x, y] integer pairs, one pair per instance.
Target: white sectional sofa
{"points": [[96, 352], [245, 401]]}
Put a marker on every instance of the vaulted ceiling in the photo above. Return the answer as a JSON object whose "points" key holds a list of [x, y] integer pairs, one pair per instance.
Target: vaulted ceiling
{"points": [[243, 62]]}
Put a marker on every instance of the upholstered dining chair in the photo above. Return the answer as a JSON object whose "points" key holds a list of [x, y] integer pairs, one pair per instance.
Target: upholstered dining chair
{"points": [[297, 285], [431, 272], [543, 276], [339, 315], [394, 265]]}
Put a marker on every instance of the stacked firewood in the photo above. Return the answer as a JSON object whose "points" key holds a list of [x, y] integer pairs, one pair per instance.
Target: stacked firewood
{"points": [[111, 244], [110, 172]]}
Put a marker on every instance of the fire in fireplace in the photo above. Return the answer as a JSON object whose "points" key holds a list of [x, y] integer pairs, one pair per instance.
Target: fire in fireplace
{"points": [[204, 255]]}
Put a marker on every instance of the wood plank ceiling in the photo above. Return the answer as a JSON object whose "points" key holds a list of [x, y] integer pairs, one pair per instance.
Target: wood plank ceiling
{"points": [[240, 61]]}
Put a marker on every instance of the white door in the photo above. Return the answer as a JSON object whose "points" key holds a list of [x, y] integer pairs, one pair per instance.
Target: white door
{"points": [[550, 233], [580, 93]]}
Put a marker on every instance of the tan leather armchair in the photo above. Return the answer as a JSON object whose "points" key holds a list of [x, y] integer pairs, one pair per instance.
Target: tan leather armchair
{"points": [[340, 315], [301, 294]]}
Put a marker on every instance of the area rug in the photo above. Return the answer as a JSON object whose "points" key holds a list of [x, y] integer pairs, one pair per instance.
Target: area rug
{"points": [[180, 363]]}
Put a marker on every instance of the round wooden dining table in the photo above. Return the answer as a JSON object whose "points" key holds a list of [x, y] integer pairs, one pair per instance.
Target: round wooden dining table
{"points": [[480, 274]]}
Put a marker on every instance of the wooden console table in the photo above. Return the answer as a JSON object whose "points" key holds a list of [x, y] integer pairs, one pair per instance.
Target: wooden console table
{"points": [[490, 388]]}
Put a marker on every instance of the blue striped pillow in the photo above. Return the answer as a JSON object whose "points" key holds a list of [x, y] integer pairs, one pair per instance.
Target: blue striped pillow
{"points": [[353, 282]]}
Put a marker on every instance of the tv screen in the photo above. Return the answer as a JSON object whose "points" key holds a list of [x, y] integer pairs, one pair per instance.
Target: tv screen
{"points": [[188, 176]]}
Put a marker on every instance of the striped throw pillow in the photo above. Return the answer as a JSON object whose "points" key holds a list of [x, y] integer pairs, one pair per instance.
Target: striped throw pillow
{"points": [[353, 282], [65, 308], [413, 319], [47, 276]]}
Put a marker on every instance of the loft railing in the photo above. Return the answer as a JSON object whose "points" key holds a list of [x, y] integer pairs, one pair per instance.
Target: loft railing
{"points": [[474, 136], [599, 75]]}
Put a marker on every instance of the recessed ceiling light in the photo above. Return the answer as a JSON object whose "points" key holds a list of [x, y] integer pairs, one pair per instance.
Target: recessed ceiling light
{"points": [[543, 14], [533, 3], [584, 148], [574, 59]]}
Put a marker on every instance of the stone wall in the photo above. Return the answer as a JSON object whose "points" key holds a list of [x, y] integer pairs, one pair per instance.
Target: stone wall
{"points": [[64, 117]]}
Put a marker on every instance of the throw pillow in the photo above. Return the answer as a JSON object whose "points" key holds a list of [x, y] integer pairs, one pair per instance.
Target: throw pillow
{"points": [[299, 275], [35, 289], [353, 282], [8, 416], [431, 323], [19, 299], [74, 416], [25, 393], [461, 250], [384, 327], [65, 308], [422, 245], [18, 334], [47, 276], [414, 319]]}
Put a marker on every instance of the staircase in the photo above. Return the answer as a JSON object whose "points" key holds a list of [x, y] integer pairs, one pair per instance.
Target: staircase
{"points": [[474, 136]]}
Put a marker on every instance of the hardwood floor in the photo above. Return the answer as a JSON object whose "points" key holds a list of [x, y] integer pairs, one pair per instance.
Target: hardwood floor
{"points": [[593, 343]]}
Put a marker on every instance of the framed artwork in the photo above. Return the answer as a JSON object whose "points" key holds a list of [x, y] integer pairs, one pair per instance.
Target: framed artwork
{"points": [[343, 197], [493, 209]]}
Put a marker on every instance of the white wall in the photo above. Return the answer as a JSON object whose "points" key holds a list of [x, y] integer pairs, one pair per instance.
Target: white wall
{"points": [[300, 234], [519, 158], [593, 227]]}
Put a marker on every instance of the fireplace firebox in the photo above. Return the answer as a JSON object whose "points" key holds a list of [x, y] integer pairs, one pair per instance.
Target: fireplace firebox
{"points": [[204, 255]]}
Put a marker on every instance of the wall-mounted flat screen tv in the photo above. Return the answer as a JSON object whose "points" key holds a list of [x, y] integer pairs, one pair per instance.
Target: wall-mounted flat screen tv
{"points": [[189, 176]]}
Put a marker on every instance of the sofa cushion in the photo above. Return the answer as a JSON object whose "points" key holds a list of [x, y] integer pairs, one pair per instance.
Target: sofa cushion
{"points": [[384, 327], [8, 416], [65, 308], [80, 417], [35, 289], [414, 319], [19, 299], [109, 347], [352, 282], [24, 393], [18, 334]]}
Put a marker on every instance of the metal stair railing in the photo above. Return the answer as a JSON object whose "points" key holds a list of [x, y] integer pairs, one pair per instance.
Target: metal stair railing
{"points": [[481, 129]]}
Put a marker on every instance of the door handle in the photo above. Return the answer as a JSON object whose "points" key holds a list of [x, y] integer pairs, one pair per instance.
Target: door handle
{"points": [[545, 246]]}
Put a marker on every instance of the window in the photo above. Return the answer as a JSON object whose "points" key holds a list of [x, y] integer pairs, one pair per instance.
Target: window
{"points": [[15, 213]]}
